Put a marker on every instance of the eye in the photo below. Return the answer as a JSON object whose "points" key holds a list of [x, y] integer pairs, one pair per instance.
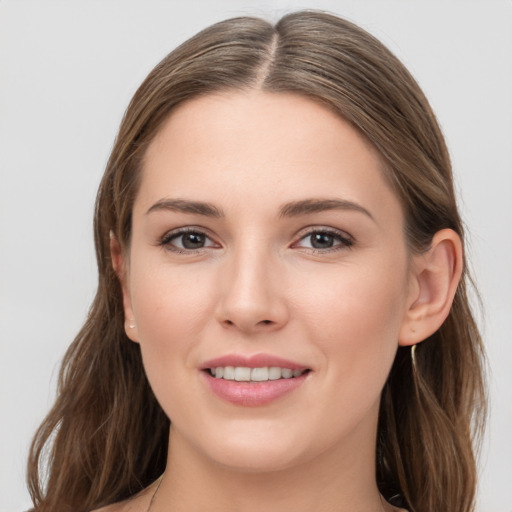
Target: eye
{"points": [[325, 240], [187, 240]]}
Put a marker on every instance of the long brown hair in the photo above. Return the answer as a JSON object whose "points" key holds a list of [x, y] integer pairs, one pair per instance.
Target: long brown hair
{"points": [[106, 436]]}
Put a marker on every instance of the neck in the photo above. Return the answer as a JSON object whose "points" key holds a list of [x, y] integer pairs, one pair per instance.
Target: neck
{"points": [[333, 481]]}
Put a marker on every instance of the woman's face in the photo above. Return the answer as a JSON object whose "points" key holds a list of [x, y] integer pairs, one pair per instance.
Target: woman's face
{"points": [[265, 236]]}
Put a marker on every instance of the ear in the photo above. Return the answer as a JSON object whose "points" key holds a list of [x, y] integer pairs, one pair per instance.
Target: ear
{"points": [[121, 269], [435, 277]]}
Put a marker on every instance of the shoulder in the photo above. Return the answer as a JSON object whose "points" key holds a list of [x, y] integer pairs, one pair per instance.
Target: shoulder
{"points": [[122, 506], [392, 508], [138, 503]]}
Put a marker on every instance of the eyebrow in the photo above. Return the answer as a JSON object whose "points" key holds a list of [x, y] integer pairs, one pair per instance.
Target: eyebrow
{"points": [[292, 209], [186, 206], [307, 206]]}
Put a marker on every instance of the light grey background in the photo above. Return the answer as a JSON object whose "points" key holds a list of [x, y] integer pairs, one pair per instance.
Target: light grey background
{"points": [[68, 70]]}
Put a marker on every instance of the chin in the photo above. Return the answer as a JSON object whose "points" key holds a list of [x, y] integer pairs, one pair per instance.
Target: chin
{"points": [[257, 461], [257, 452]]}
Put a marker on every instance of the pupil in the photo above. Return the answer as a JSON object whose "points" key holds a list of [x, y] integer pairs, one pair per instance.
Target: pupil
{"points": [[322, 241], [193, 241]]}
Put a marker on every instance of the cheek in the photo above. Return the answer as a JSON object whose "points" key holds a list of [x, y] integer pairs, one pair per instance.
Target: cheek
{"points": [[354, 300], [163, 298], [171, 311], [355, 321]]}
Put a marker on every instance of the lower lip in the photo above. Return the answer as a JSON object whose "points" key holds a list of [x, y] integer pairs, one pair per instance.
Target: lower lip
{"points": [[252, 394]]}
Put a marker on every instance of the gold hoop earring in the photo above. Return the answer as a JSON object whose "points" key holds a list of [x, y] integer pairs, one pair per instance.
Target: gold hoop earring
{"points": [[413, 356]]}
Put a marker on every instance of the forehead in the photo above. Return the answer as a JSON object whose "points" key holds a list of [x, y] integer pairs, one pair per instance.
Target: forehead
{"points": [[252, 120], [261, 145]]}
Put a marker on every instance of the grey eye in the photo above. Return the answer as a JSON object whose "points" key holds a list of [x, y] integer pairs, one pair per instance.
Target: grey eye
{"points": [[191, 240], [188, 240], [322, 240]]}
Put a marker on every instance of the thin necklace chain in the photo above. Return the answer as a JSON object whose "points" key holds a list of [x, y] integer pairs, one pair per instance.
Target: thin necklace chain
{"points": [[154, 494], [162, 477]]}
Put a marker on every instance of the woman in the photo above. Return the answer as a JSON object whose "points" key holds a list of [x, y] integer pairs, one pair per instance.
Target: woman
{"points": [[276, 233]]}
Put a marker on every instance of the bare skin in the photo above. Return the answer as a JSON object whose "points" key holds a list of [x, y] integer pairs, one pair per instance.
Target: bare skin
{"points": [[255, 270]]}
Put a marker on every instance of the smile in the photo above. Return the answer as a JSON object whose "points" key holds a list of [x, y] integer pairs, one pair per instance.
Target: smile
{"points": [[246, 374], [240, 387]]}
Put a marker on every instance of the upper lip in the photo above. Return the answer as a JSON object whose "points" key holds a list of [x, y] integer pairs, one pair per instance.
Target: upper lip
{"points": [[254, 361]]}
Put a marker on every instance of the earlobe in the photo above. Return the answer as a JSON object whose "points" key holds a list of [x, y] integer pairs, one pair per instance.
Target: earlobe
{"points": [[436, 276], [120, 268]]}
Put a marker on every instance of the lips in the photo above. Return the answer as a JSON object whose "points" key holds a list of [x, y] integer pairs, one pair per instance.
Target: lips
{"points": [[254, 361], [253, 381]]}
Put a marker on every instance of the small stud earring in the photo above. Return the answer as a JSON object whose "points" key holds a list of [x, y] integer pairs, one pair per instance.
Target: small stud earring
{"points": [[131, 326]]}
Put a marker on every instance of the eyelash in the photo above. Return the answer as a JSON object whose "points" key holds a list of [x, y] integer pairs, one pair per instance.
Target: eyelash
{"points": [[166, 240], [345, 240]]}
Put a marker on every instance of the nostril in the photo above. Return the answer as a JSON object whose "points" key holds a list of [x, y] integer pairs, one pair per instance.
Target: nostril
{"points": [[246, 325]]}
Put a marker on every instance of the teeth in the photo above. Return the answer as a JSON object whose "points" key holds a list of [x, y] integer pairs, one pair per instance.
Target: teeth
{"points": [[274, 373], [286, 373], [244, 374], [229, 373], [259, 374]]}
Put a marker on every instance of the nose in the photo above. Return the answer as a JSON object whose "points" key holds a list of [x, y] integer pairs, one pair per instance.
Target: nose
{"points": [[252, 294]]}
